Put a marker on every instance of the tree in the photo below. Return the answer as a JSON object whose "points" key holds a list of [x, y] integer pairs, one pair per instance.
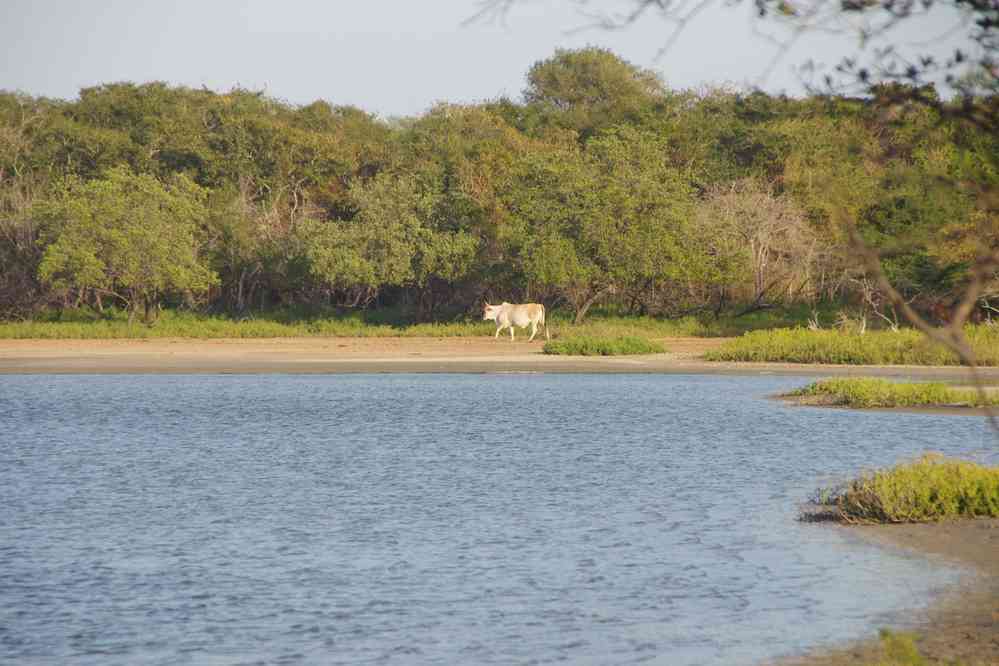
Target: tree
{"points": [[20, 291], [751, 236], [126, 235], [394, 240], [895, 78], [591, 88], [591, 223]]}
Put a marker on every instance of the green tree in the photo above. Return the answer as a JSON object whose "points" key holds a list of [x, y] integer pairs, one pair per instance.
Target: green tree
{"points": [[395, 239], [592, 223], [591, 88], [127, 235]]}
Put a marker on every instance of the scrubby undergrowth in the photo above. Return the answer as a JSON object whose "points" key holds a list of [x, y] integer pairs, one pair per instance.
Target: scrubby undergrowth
{"points": [[388, 322], [594, 346], [929, 489], [906, 347], [868, 392]]}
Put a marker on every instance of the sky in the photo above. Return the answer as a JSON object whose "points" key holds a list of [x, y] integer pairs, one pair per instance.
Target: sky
{"points": [[389, 57]]}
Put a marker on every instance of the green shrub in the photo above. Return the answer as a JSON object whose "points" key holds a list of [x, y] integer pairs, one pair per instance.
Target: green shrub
{"points": [[906, 347], [593, 346], [929, 489], [899, 649], [867, 392]]}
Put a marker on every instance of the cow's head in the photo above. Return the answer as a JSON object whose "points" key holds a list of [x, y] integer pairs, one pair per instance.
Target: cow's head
{"points": [[490, 311]]}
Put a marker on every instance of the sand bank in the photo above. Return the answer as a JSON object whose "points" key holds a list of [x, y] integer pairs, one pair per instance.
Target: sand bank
{"points": [[381, 355]]}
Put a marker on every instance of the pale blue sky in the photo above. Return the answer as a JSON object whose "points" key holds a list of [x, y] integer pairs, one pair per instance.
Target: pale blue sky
{"points": [[391, 57]]}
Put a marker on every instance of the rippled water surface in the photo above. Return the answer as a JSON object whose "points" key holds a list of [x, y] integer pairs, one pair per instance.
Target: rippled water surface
{"points": [[449, 519]]}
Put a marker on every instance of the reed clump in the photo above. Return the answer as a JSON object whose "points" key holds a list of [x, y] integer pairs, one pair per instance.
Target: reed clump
{"points": [[929, 489], [600, 346], [904, 347], [870, 392]]}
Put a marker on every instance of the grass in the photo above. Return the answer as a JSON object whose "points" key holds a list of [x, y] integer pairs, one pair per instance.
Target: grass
{"points": [[173, 324], [388, 322], [899, 649], [906, 347], [929, 489], [597, 346], [867, 392]]}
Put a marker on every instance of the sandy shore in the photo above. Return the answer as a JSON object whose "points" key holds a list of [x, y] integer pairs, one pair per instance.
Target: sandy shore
{"points": [[964, 625], [379, 355]]}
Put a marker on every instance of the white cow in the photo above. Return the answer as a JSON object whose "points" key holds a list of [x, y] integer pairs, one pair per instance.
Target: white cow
{"points": [[508, 315]]}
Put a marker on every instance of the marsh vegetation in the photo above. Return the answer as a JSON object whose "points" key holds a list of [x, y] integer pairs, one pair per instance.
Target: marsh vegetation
{"points": [[602, 346], [869, 392], [929, 489], [885, 347]]}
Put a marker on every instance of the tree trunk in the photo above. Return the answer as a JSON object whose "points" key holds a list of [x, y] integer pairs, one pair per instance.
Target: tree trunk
{"points": [[584, 308], [239, 291]]}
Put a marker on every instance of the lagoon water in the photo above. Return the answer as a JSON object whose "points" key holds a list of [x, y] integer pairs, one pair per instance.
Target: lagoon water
{"points": [[439, 519]]}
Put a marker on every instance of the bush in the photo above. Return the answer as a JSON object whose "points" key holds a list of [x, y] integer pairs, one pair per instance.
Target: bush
{"points": [[929, 489], [900, 649], [906, 347], [593, 346], [865, 392]]}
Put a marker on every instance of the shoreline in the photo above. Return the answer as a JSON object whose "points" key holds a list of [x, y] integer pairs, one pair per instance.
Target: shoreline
{"points": [[400, 355], [962, 623], [948, 410]]}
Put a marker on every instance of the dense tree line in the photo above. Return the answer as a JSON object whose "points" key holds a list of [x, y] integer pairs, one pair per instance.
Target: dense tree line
{"points": [[600, 185]]}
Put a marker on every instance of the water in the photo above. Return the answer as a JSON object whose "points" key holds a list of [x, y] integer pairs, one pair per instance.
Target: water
{"points": [[445, 519]]}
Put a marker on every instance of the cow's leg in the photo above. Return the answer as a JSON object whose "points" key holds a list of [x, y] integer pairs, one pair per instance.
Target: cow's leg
{"points": [[534, 331], [511, 332], [498, 329]]}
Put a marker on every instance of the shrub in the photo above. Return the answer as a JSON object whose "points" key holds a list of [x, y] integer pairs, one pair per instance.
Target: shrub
{"points": [[929, 489], [593, 346], [906, 347], [900, 649], [866, 392]]}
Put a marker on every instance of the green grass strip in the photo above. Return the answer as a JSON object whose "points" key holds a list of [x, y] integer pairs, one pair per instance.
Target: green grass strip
{"points": [[868, 392], [906, 347], [180, 324], [594, 346]]}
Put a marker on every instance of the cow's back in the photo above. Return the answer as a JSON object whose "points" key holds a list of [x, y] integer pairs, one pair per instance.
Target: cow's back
{"points": [[523, 314]]}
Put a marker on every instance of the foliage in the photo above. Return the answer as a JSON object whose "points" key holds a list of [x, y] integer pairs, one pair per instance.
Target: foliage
{"points": [[865, 392], [899, 649], [594, 346], [127, 235], [904, 347], [591, 88], [85, 323], [929, 489], [754, 239], [394, 240], [589, 223], [598, 188]]}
